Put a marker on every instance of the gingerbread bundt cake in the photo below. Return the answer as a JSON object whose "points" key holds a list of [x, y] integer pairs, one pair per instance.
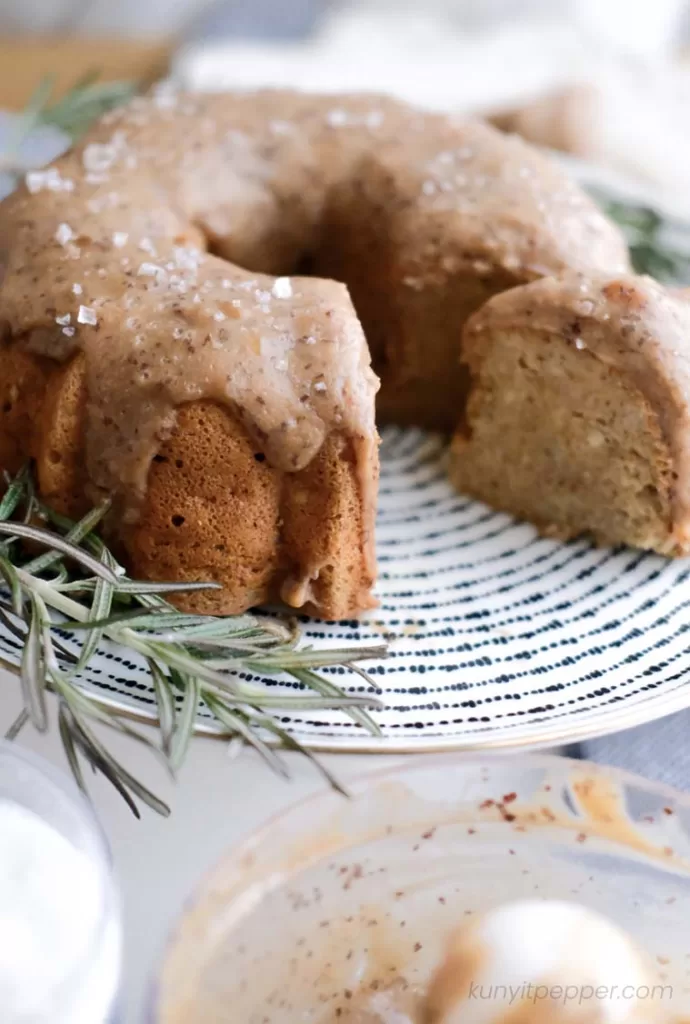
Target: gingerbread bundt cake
{"points": [[230, 415], [578, 417]]}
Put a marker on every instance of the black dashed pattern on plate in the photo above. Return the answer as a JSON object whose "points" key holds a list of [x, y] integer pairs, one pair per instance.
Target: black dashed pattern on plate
{"points": [[497, 636]]}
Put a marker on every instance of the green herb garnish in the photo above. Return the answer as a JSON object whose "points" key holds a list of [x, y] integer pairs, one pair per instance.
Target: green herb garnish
{"points": [[73, 114], [78, 587]]}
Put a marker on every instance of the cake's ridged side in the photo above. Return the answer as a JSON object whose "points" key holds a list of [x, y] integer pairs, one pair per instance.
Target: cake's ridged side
{"points": [[58, 447], [213, 512], [215, 509], [23, 382], [327, 533]]}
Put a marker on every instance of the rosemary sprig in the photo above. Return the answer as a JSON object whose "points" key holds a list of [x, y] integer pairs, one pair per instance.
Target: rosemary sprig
{"points": [[72, 114], [77, 586], [87, 100], [645, 230]]}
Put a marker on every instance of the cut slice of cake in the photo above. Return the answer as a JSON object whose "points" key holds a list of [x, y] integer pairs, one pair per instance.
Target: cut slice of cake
{"points": [[579, 411]]}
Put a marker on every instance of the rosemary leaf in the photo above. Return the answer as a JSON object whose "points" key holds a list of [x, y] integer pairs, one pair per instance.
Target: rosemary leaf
{"points": [[202, 646], [201, 627], [20, 721], [9, 574], [333, 699], [242, 630], [20, 633], [61, 576], [235, 650], [184, 726], [290, 743], [95, 752], [134, 619], [359, 671], [98, 763], [77, 533], [652, 249], [14, 494], [175, 657], [316, 682], [85, 586], [65, 720], [86, 101], [234, 690], [48, 645], [240, 692], [237, 723], [72, 114], [93, 542], [83, 703], [146, 599], [125, 586], [64, 652], [61, 544], [166, 705], [30, 510], [100, 609], [32, 671], [316, 659]]}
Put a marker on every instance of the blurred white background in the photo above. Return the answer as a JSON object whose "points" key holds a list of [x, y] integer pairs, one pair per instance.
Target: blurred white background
{"points": [[643, 25], [605, 80]]}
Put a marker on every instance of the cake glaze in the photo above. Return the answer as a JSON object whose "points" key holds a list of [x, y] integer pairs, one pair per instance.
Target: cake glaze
{"points": [[138, 284]]}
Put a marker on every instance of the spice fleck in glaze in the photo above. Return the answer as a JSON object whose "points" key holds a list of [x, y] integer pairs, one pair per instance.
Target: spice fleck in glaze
{"points": [[229, 414]]}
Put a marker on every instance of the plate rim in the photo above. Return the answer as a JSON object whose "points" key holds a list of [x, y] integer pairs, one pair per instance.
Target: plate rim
{"points": [[634, 716]]}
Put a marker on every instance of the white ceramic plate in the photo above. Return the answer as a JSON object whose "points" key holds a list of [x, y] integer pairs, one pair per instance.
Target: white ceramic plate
{"points": [[498, 637]]}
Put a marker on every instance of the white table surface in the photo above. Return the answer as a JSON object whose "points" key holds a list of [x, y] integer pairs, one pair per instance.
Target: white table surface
{"points": [[159, 861]]}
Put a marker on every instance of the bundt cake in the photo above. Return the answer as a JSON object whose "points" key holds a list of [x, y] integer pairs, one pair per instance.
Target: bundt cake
{"points": [[579, 411], [429, 225], [229, 415]]}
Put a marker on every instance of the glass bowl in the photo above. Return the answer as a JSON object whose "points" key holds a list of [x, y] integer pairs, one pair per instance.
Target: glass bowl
{"points": [[335, 895], [87, 991]]}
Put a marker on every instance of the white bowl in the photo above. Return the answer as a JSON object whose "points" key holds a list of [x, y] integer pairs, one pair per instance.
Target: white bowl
{"points": [[86, 992], [336, 893]]}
